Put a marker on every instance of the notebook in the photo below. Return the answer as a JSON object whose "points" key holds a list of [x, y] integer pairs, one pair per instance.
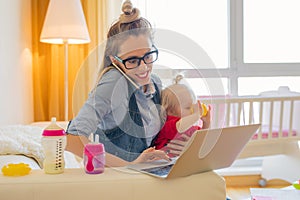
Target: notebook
{"points": [[207, 149]]}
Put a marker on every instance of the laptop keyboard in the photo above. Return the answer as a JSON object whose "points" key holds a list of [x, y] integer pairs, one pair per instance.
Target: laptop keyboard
{"points": [[162, 171]]}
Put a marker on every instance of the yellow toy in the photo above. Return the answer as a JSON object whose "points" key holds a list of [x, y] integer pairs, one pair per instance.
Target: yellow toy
{"points": [[297, 185], [204, 109], [19, 169]]}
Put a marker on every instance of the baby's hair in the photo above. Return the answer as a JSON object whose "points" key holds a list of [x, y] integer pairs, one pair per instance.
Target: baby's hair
{"points": [[169, 94], [178, 78]]}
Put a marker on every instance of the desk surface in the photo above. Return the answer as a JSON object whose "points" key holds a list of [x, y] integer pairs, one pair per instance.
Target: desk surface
{"points": [[114, 183]]}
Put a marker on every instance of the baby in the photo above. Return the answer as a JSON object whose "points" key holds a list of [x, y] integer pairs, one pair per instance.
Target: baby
{"points": [[183, 114]]}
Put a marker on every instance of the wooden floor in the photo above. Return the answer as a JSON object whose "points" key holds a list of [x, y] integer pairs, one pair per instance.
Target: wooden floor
{"points": [[238, 187]]}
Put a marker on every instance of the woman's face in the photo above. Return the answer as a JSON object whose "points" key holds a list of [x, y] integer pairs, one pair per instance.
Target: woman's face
{"points": [[135, 46]]}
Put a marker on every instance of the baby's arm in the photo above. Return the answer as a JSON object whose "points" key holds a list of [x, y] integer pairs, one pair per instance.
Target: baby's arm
{"points": [[187, 122]]}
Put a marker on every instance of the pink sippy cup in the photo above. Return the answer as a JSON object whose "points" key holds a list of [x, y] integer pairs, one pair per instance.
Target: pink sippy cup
{"points": [[94, 158]]}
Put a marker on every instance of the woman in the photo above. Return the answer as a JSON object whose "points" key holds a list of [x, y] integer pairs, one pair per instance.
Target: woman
{"points": [[124, 107]]}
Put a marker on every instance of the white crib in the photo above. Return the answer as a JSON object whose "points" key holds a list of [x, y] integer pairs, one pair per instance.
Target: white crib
{"points": [[278, 135]]}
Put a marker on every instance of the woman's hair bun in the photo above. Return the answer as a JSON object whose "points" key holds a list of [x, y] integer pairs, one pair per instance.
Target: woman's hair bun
{"points": [[127, 7], [130, 13]]}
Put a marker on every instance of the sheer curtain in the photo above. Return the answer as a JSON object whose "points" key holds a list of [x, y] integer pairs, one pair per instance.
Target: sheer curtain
{"points": [[48, 60]]}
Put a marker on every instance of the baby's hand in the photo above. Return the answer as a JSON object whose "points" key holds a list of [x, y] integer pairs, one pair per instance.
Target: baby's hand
{"points": [[200, 108], [176, 146], [206, 118]]}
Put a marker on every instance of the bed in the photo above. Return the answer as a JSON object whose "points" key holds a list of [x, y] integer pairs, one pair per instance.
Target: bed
{"points": [[277, 140], [21, 143]]}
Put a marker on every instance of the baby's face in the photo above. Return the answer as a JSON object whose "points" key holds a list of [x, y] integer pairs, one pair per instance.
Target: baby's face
{"points": [[185, 103]]}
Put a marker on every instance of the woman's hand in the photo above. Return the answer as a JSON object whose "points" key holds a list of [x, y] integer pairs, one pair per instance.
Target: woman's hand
{"points": [[151, 154], [176, 146]]}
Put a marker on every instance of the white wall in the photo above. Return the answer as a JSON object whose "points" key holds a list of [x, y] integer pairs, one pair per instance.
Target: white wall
{"points": [[16, 97]]}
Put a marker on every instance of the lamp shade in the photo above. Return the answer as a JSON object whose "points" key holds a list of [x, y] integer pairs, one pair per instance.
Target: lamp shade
{"points": [[65, 23]]}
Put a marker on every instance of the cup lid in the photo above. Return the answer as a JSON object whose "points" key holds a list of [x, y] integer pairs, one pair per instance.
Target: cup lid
{"points": [[94, 148]]}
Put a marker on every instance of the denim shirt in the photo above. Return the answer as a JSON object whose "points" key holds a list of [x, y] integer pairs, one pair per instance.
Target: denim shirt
{"points": [[127, 140], [115, 105]]}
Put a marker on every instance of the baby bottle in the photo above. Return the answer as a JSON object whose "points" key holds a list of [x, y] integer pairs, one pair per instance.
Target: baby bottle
{"points": [[54, 143], [94, 157]]}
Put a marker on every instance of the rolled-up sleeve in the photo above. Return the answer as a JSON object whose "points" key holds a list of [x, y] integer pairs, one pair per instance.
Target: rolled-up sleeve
{"points": [[110, 96]]}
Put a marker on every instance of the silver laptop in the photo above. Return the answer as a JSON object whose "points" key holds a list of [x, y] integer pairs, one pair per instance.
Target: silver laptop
{"points": [[207, 149]]}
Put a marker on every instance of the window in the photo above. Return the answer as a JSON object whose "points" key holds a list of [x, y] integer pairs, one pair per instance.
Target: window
{"points": [[248, 41], [267, 45], [271, 31], [201, 21], [247, 86]]}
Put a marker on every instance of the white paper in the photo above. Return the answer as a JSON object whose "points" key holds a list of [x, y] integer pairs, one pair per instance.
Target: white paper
{"points": [[275, 194]]}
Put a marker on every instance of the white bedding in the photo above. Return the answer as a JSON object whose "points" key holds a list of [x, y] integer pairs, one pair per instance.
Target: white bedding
{"points": [[21, 139], [22, 143], [14, 159]]}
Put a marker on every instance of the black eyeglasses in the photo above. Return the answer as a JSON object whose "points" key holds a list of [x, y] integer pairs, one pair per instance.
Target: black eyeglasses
{"points": [[134, 62]]}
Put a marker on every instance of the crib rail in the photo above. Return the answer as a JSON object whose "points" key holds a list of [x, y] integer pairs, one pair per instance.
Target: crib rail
{"points": [[278, 116]]}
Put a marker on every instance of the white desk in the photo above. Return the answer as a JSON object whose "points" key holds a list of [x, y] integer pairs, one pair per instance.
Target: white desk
{"points": [[113, 184]]}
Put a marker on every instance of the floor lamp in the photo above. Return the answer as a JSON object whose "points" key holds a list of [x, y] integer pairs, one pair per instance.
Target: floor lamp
{"points": [[65, 24]]}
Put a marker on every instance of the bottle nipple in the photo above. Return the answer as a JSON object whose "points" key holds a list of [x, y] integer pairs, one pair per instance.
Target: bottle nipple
{"points": [[53, 125], [96, 139], [53, 119], [53, 129]]}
